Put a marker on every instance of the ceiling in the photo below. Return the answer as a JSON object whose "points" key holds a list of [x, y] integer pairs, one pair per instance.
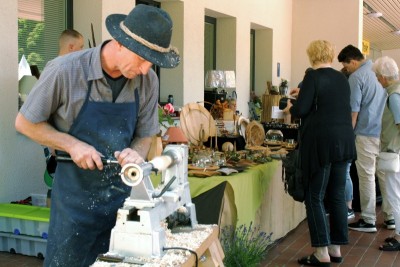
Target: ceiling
{"points": [[379, 31]]}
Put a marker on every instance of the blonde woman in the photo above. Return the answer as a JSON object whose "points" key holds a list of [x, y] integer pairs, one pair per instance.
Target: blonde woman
{"points": [[327, 145]]}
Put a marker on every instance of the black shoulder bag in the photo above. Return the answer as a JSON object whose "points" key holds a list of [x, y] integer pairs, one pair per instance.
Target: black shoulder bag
{"points": [[295, 183]]}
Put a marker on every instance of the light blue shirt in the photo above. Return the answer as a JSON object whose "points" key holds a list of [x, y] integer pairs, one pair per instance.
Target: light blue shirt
{"points": [[368, 99], [394, 107]]}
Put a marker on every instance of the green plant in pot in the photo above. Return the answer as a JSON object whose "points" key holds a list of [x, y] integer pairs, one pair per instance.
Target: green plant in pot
{"points": [[283, 87], [244, 245], [164, 116]]}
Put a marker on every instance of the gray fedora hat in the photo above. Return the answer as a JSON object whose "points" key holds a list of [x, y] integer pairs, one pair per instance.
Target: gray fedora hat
{"points": [[146, 31]]}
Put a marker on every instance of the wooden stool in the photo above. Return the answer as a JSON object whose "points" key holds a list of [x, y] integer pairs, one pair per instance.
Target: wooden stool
{"points": [[210, 252]]}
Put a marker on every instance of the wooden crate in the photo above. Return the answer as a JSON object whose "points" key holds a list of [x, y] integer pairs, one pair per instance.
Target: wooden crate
{"points": [[211, 252]]}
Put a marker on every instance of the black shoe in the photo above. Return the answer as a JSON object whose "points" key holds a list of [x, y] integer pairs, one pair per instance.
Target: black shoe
{"points": [[350, 214], [390, 224], [313, 261], [362, 226]]}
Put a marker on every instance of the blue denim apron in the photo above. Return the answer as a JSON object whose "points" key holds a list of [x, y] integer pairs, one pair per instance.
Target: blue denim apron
{"points": [[84, 203]]}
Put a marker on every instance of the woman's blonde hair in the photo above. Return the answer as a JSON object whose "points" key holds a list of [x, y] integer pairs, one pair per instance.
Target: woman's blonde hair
{"points": [[320, 51]]}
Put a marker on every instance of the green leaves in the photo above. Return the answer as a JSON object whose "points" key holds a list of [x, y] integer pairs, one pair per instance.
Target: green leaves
{"points": [[244, 246], [164, 116]]}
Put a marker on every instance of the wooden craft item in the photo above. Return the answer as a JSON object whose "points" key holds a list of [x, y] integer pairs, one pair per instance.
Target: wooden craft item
{"points": [[207, 168], [197, 123], [255, 134], [203, 174], [242, 123], [268, 101]]}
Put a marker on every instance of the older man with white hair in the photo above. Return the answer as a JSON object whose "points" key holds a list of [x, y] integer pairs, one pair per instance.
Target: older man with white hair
{"points": [[387, 72]]}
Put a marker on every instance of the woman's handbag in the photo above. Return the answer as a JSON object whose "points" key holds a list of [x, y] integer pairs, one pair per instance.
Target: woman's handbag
{"points": [[292, 176], [388, 162]]}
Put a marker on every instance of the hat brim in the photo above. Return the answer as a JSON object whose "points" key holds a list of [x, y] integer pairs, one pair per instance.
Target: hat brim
{"points": [[164, 60]]}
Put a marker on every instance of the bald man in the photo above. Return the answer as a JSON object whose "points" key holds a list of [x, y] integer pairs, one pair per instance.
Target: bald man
{"points": [[70, 41]]}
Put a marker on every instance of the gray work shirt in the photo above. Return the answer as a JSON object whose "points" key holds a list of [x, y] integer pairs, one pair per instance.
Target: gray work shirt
{"points": [[368, 99], [59, 94]]}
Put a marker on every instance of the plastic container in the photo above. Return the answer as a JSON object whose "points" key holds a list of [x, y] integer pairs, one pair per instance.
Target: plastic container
{"points": [[39, 200], [26, 245], [24, 220]]}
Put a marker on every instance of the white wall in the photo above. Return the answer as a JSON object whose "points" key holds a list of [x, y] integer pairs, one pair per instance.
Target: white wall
{"points": [[87, 12], [21, 160], [186, 82], [394, 53], [337, 21]]}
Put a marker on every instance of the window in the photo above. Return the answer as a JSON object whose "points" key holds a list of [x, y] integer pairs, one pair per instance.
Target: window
{"points": [[210, 35], [252, 59], [154, 67], [40, 23]]}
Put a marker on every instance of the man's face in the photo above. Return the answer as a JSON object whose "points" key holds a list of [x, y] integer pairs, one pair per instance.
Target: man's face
{"points": [[131, 65], [351, 66], [382, 80]]}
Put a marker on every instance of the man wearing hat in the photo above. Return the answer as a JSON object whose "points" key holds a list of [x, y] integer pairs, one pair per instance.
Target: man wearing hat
{"points": [[97, 104]]}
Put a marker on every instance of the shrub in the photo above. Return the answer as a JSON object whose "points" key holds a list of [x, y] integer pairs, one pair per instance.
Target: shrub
{"points": [[244, 246]]}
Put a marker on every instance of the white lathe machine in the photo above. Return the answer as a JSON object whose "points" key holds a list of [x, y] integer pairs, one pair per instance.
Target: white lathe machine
{"points": [[138, 231]]}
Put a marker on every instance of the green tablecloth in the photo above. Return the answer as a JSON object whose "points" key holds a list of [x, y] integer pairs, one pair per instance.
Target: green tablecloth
{"points": [[249, 187]]}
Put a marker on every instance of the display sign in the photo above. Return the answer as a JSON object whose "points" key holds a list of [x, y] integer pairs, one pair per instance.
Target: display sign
{"points": [[365, 47]]}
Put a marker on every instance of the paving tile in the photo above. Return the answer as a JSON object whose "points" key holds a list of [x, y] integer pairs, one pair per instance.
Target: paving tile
{"points": [[362, 250]]}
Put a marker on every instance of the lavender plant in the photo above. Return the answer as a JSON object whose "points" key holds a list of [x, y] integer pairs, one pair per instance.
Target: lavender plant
{"points": [[244, 246]]}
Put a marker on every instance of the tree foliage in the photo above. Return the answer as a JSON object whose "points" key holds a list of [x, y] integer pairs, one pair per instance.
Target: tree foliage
{"points": [[30, 39]]}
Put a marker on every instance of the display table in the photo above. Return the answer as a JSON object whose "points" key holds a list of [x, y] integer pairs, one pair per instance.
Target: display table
{"points": [[255, 195]]}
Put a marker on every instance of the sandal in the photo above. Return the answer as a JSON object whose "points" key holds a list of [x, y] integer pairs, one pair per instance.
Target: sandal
{"points": [[313, 261], [392, 245], [336, 259], [390, 239]]}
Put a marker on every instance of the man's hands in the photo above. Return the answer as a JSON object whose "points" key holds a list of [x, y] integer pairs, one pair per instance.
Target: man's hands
{"points": [[128, 155], [85, 156]]}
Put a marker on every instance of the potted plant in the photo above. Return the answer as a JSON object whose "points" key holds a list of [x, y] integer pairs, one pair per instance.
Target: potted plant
{"points": [[164, 115], [165, 120], [283, 87]]}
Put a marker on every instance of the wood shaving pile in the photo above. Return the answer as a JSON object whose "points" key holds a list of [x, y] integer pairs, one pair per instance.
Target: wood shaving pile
{"points": [[188, 238]]}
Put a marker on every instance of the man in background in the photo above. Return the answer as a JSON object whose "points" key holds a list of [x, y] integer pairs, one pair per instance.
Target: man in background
{"points": [[367, 101], [387, 73], [70, 41]]}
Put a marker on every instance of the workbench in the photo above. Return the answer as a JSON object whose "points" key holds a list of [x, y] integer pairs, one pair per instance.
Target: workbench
{"points": [[202, 240]]}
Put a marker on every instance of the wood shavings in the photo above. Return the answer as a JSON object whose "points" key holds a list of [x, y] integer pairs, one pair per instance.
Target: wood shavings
{"points": [[183, 238]]}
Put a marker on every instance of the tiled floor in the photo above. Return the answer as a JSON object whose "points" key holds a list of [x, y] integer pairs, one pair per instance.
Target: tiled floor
{"points": [[361, 252]]}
